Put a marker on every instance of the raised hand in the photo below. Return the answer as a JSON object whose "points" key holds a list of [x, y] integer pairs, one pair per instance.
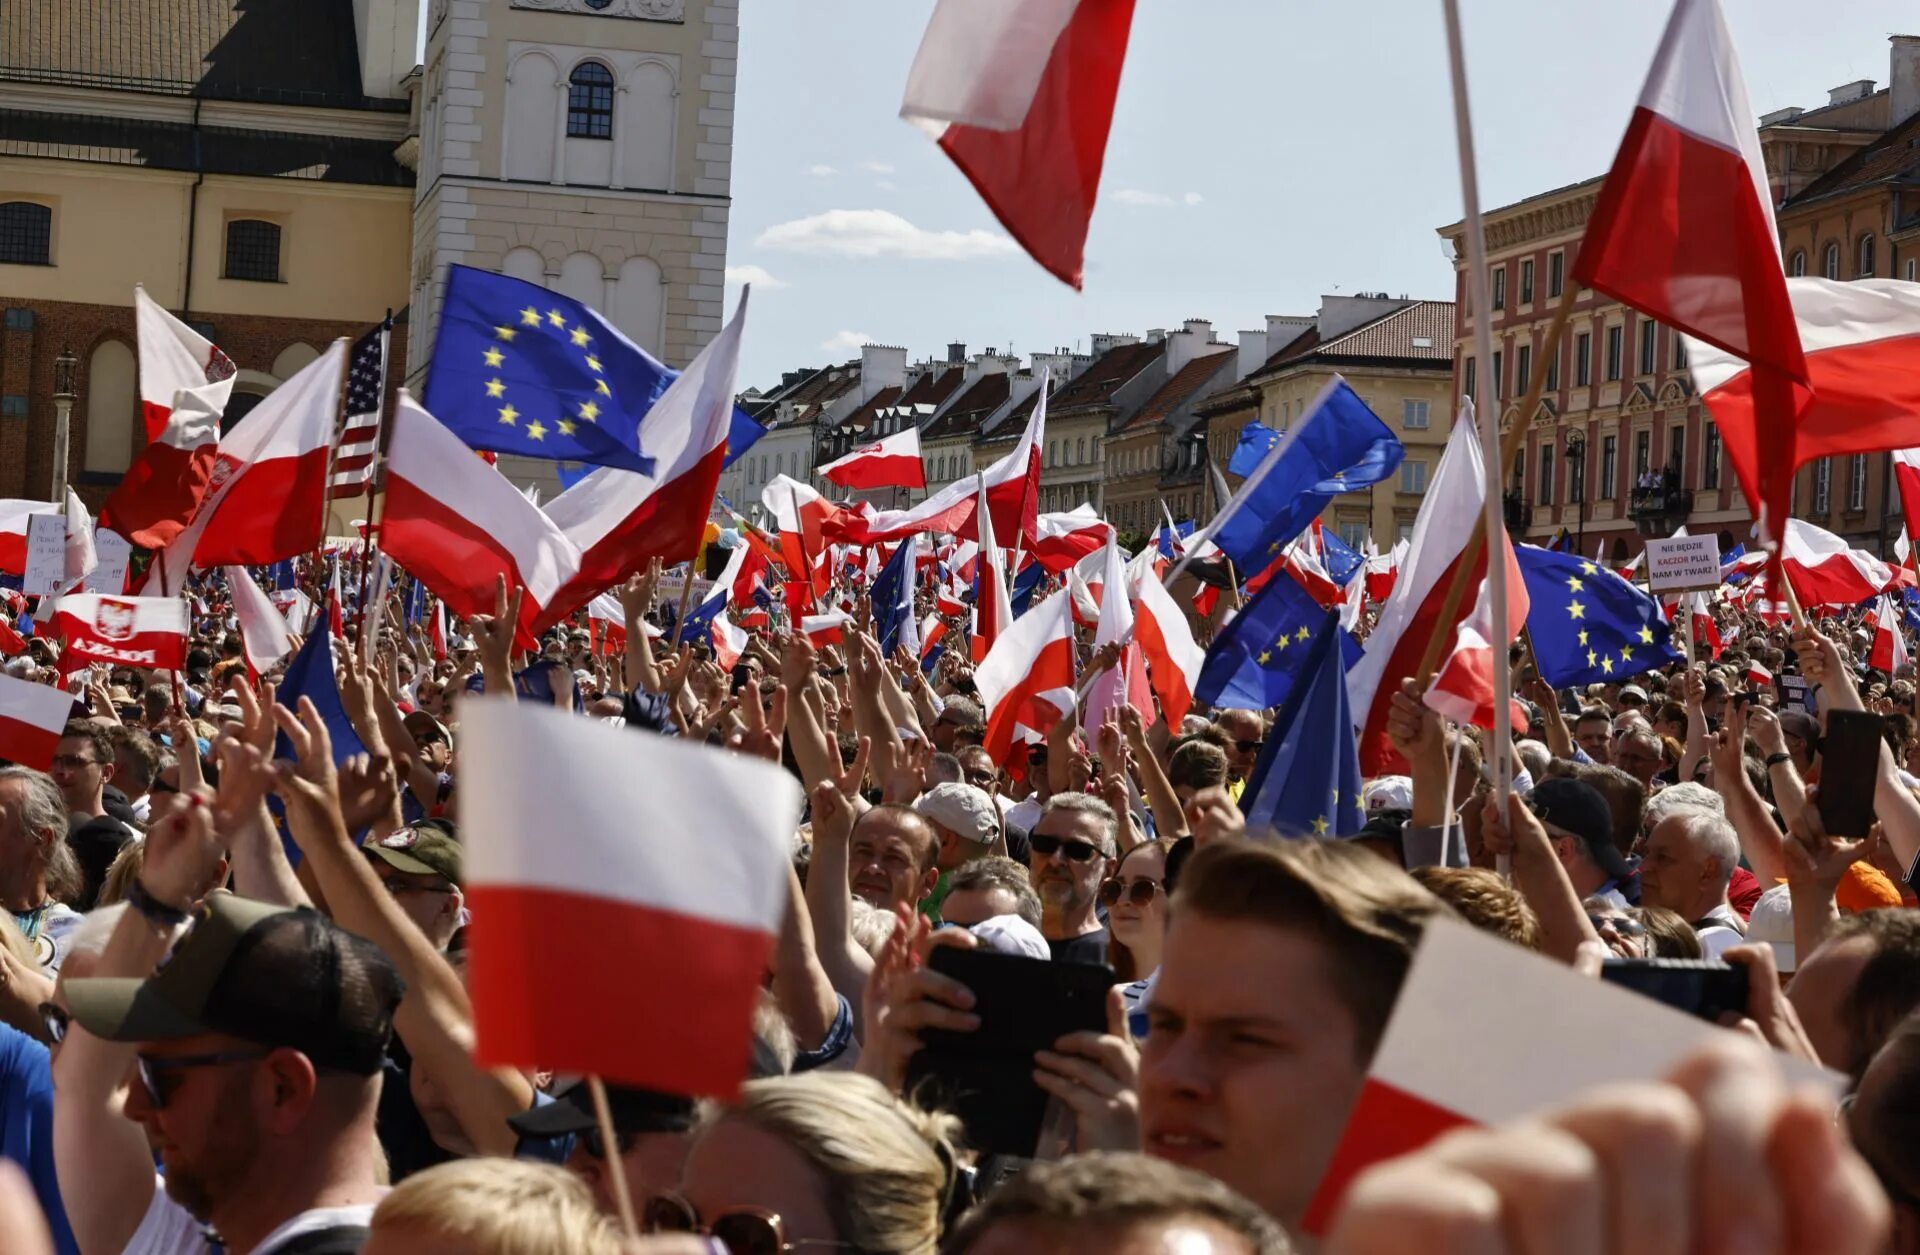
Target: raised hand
{"points": [[185, 859], [636, 595], [765, 729]]}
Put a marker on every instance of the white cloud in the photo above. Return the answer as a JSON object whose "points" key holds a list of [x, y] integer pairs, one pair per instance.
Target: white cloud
{"points": [[756, 275], [820, 171], [876, 167], [878, 233], [846, 342], [1154, 200], [887, 185]]}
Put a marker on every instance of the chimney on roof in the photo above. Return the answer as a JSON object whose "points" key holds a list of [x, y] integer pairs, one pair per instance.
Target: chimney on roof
{"points": [[384, 33], [1903, 79], [1253, 351], [1778, 116], [1284, 329], [881, 366], [1858, 88], [1156, 334], [1193, 339], [956, 353], [1341, 314]]}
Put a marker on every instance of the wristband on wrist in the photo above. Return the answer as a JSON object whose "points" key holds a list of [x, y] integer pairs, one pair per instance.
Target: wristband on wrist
{"points": [[1774, 760], [153, 908]]}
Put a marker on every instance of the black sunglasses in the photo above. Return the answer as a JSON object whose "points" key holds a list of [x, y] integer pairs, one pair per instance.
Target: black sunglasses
{"points": [[1139, 891], [741, 1231], [1078, 851], [1248, 747]]}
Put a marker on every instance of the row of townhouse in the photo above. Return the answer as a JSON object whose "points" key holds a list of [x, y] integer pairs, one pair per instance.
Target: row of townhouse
{"points": [[1131, 423]]}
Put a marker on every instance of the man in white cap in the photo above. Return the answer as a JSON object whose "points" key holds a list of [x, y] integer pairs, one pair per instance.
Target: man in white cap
{"points": [[967, 823]]}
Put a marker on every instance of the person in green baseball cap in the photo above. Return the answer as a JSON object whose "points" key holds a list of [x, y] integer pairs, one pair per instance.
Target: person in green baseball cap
{"points": [[420, 866]]}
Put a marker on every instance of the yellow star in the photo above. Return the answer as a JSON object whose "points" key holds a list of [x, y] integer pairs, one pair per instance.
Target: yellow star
{"points": [[1646, 636], [1583, 636], [566, 428], [1606, 665], [494, 357], [1266, 656], [1275, 546], [1577, 610], [1573, 583], [1626, 653], [508, 414], [1302, 634], [580, 337], [1320, 826], [1593, 659], [556, 318], [505, 333], [593, 363], [1587, 568], [1360, 801], [1283, 642], [589, 411], [496, 389], [530, 316], [537, 429], [600, 386]]}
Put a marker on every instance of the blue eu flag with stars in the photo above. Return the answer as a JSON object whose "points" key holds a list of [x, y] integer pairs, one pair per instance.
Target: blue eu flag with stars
{"points": [[1588, 625], [1340, 446], [1255, 659], [1307, 780], [310, 675], [519, 369]]}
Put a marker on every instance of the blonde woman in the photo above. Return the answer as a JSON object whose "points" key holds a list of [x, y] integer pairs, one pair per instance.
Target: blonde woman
{"points": [[490, 1207]]}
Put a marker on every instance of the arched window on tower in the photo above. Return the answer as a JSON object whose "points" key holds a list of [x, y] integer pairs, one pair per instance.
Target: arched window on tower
{"points": [[590, 102], [112, 399]]}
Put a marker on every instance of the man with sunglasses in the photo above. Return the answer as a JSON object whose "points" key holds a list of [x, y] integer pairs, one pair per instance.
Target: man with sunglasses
{"points": [[650, 1128], [1074, 849], [420, 867], [1245, 731]]}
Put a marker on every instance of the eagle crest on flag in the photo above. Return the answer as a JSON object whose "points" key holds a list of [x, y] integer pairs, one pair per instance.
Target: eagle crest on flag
{"points": [[114, 621]]}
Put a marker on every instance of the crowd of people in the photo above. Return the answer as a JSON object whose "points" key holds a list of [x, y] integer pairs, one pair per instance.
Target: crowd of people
{"points": [[234, 1018]]}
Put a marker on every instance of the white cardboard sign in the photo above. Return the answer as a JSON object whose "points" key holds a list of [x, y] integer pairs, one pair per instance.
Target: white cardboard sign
{"points": [[114, 551], [46, 570], [1682, 562]]}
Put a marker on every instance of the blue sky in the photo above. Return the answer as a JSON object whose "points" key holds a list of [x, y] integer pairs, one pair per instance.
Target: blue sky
{"points": [[1262, 153]]}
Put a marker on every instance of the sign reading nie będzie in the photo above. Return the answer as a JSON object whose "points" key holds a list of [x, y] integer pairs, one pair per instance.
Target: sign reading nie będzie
{"points": [[1681, 562]]}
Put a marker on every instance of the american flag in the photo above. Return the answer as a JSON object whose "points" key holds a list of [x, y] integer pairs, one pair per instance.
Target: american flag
{"points": [[360, 432]]}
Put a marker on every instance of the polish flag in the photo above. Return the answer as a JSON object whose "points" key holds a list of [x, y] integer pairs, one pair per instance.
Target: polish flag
{"points": [[1889, 646], [1825, 571], [1485, 1032], [1060, 540], [1399, 637], [459, 525], [1013, 493], [1019, 94], [1463, 687], [933, 629], [729, 642], [32, 717], [1906, 475], [826, 629], [11, 642], [13, 531], [81, 557], [607, 625], [1173, 657], [436, 625], [145, 632], [184, 386], [1758, 676], [618, 519], [992, 609], [1683, 231], [1125, 684], [336, 614], [267, 493], [1026, 682], [708, 886], [890, 463], [263, 631], [801, 518]]}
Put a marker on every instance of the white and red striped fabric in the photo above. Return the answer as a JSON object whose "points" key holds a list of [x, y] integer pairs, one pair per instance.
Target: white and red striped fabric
{"points": [[618, 519], [267, 495], [1906, 477], [14, 514], [1126, 683], [708, 886], [31, 719], [828, 628], [336, 607], [1412, 613], [1173, 657], [1484, 1032], [1060, 540], [1759, 676], [992, 608], [80, 554], [893, 462], [1825, 571], [1019, 94], [359, 441], [933, 629], [1013, 493], [264, 637], [1889, 651], [729, 641], [185, 383], [1463, 687], [458, 525], [1026, 682], [1683, 231], [801, 518], [146, 632]]}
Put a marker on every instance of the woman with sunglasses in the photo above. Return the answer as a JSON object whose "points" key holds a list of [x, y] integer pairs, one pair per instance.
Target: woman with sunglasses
{"points": [[1136, 900], [816, 1162]]}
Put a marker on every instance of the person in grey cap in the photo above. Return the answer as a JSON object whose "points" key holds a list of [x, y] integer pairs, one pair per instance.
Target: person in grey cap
{"points": [[967, 823]]}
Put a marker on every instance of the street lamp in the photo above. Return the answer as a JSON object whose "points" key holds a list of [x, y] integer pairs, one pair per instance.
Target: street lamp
{"points": [[1577, 456], [62, 417]]}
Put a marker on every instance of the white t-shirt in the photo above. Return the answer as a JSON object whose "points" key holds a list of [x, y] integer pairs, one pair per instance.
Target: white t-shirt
{"points": [[1718, 933], [50, 945], [1024, 814], [170, 1229]]}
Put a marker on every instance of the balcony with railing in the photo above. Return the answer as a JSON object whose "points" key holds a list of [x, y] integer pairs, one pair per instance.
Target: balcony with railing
{"points": [[1658, 504]]}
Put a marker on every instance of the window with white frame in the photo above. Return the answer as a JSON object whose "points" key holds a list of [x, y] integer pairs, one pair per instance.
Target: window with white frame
{"points": [[1413, 475], [1857, 482], [1822, 485], [1413, 415]]}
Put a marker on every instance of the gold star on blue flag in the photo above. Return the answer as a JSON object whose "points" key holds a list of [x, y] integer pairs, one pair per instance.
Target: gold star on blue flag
{"points": [[1588, 625], [1310, 760], [1253, 660]]}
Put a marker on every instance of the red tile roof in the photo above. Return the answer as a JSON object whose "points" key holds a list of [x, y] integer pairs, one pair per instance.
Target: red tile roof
{"points": [[1893, 158], [1175, 392], [963, 417], [1420, 333], [862, 418], [935, 386], [1097, 383]]}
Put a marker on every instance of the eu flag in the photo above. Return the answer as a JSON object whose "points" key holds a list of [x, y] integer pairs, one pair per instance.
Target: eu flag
{"points": [[1255, 439], [1025, 584], [1255, 659], [310, 675], [1588, 625], [1340, 558], [1307, 780], [892, 599], [1340, 446]]}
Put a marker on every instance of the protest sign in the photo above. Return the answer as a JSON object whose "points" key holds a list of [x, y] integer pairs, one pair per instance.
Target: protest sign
{"points": [[46, 570], [110, 576], [1682, 562]]}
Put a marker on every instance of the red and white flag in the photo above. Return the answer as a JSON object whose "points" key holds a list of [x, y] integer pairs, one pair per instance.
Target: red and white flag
{"points": [[1758, 676], [1463, 688], [1013, 493], [145, 632], [1889, 652], [709, 886], [1411, 614], [1825, 571], [185, 383], [1173, 657], [890, 463], [992, 608], [1019, 94], [729, 642], [264, 637], [31, 719], [1060, 540], [829, 628], [1683, 231], [336, 609], [267, 497], [1126, 683], [1485, 1032], [81, 556], [14, 514], [1906, 477], [801, 518], [1026, 681], [619, 519]]}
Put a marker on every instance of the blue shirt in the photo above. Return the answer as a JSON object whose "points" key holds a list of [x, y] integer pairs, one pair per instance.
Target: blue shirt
{"points": [[26, 1125]]}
